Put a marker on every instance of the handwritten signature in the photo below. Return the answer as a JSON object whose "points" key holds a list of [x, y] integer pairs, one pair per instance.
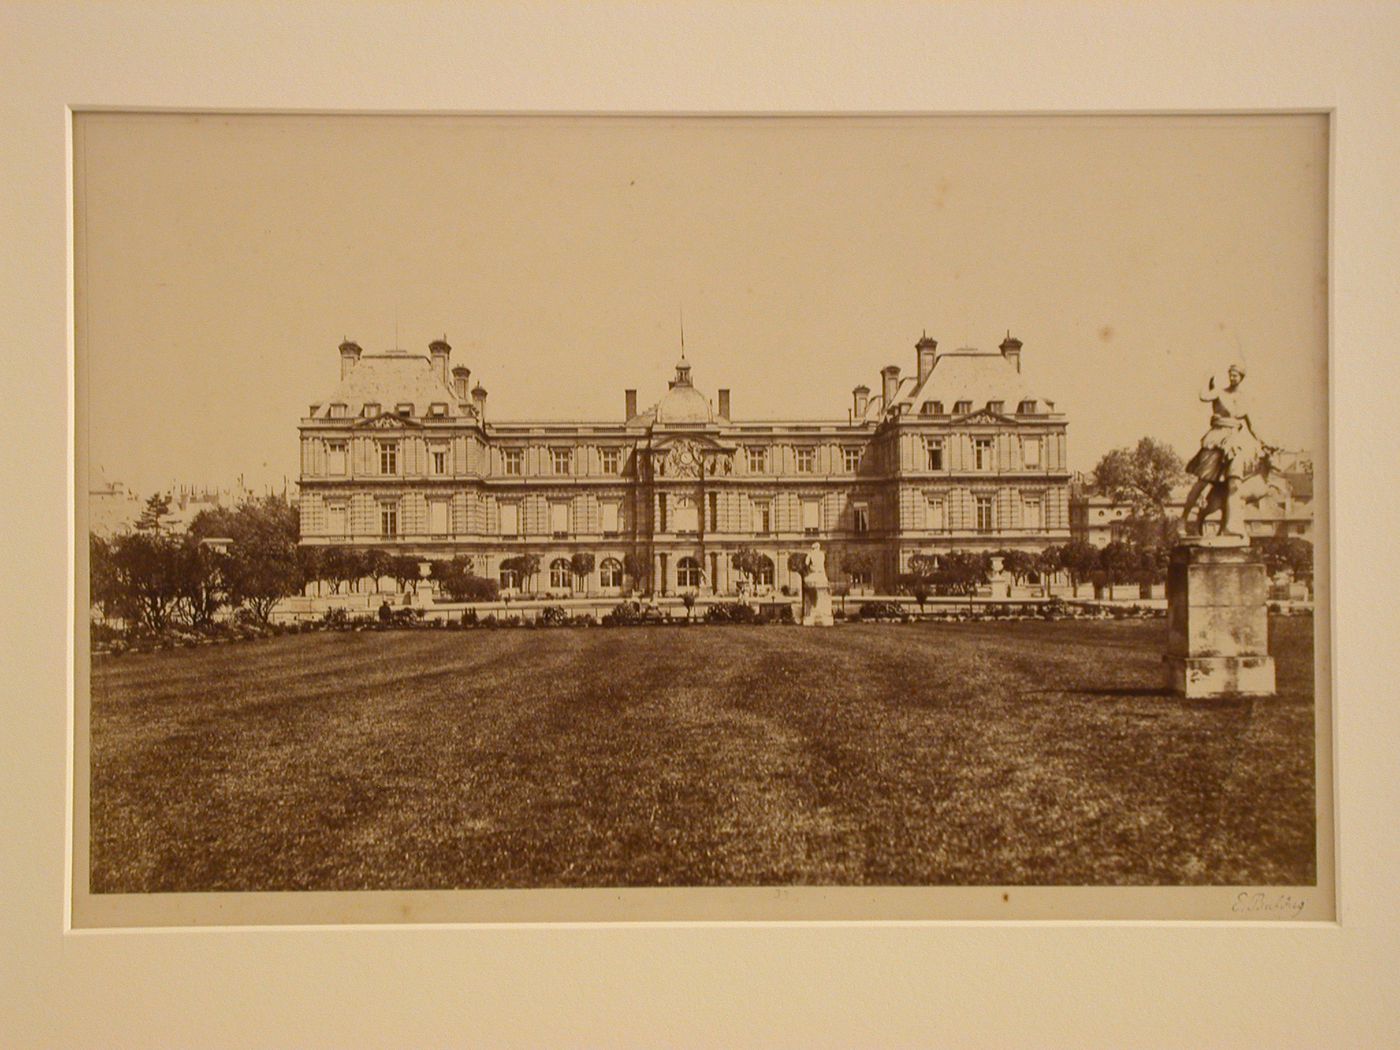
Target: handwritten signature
{"points": [[1282, 903]]}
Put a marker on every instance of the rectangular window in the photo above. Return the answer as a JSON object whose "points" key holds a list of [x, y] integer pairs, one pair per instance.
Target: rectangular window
{"points": [[610, 516], [612, 460], [371, 409], [389, 457], [712, 510], [561, 460], [437, 517], [982, 453], [1030, 451], [335, 519], [388, 519], [806, 460], [762, 517], [512, 460], [559, 519], [1030, 514], [439, 460], [933, 454], [335, 457], [998, 407], [661, 513], [510, 519], [850, 459], [811, 516], [935, 520], [758, 460], [861, 517], [337, 411], [962, 408], [985, 522], [404, 408]]}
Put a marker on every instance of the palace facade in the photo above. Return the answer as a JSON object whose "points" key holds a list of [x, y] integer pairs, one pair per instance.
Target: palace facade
{"points": [[960, 454]]}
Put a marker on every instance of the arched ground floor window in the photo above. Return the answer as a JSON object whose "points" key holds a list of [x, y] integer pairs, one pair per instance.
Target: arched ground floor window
{"points": [[610, 573], [561, 576], [510, 580], [688, 573]]}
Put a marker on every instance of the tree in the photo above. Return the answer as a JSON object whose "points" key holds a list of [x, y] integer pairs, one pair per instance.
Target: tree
{"points": [[1048, 563], [1142, 476], [748, 562], [688, 600], [201, 581], [635, 566], [157, 507], [458, 582], [1118, 562], [581, 565], [262, 566], [376, 565], [143, 577], [1291, 554], [529, 566], [340, 565], [1018, 564], [1079, 560], [961, 572], [403, 570], [309, 568], [858, 563], [524, 565]]}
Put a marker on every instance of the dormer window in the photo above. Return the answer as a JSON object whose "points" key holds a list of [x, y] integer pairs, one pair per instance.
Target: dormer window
{"points": [[962, 408], [1026, 408], [438, 409], [337, 410], [931, 408], [997, 407], [371, 409], [404, 409]]}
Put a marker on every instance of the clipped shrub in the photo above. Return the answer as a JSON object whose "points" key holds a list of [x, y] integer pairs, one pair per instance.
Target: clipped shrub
{"points": [[469, 618], [553, 616], [730, 612], [880, 611]]}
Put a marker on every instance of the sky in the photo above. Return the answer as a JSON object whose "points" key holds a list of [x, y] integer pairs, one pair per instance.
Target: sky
{"points": [[221, 259]]}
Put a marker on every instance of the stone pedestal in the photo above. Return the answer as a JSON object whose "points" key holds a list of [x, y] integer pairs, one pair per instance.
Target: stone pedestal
{"points": [[1218, 621], [816, 607]]}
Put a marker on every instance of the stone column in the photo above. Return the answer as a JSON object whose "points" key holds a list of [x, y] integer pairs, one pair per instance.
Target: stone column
{"points": [[1218, 621]]}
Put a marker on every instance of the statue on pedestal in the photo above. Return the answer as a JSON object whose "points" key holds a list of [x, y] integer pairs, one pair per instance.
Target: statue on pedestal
{"points": [[1217, 589], [816, 590], [1230, 452]]}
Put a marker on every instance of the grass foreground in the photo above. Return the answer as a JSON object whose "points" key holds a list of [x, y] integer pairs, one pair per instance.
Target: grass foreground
{"points": [[1027, 753]]}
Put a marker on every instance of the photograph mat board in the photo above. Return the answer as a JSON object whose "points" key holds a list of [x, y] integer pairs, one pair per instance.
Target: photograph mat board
{"points": [[760, 984]]}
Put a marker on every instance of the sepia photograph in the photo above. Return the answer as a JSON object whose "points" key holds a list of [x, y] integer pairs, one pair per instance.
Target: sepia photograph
{"points": [[832, 516]]}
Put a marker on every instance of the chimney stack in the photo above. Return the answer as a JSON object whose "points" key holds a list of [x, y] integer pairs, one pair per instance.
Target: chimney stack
{"points": [[890, 376], [1011, 350], [724, 404], [927, 349], [439, 351], [479, 400], [630, 397], [349, 354], [460, 375], [861, 397]]}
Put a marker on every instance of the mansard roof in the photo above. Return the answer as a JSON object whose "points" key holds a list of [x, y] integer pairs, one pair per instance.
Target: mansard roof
{"points": [[387, 380], [967, 374]]}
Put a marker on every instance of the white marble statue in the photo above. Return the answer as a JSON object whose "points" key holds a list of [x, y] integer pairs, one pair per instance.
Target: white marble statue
{"points": [[816, 590]]}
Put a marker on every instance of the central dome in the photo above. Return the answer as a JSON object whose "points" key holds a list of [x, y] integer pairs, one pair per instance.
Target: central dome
{"points": [[683, 403]]}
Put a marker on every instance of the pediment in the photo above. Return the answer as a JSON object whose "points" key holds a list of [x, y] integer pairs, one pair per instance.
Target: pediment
{"points": [[987, 417], [388, 421], [685, 456]]}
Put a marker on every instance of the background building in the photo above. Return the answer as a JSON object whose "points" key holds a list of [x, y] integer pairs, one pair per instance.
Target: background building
{"points": [[961, 453]]}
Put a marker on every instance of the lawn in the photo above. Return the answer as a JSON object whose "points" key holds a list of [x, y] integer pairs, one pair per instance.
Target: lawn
{"points": [[882, 754]]}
